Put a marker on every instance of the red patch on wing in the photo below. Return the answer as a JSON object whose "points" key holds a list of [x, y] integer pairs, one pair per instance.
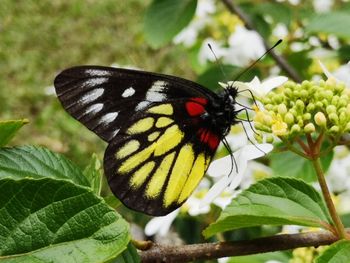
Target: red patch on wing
{"points": [[195, 107], [209, 138]]}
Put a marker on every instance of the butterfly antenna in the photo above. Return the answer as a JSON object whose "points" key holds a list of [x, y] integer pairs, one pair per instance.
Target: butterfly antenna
{"points": [[233, 160], [245, 131], [252, 95], [219, 64], [256, 61]]}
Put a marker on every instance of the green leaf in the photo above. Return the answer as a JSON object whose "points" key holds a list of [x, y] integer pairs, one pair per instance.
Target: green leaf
{"points": [[261, 258], [9, 128], [129, 255], [164, 19], [48, 220], [288, 164], [35, 162], [339, 252], [301, 62], [336, 23], [93, 173], [211, 77], [273, 201], [279, 12], [345, 218], [344, 52]]}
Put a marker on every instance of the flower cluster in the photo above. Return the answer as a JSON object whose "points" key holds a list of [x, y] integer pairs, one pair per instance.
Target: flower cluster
{"points": [[306, 108]]}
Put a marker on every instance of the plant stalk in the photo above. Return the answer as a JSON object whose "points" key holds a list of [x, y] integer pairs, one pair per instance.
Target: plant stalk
{"points": [[327, 196]]}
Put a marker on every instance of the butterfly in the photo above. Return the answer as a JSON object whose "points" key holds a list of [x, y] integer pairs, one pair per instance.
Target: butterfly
{"points": [[162, 131]]}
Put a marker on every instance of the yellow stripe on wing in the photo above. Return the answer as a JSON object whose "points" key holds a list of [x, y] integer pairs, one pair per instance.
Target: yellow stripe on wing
{"points": [[157, 181], [179, 173], [193, 179]]}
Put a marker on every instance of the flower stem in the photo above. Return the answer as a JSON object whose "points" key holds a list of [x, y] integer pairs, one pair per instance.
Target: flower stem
{"points": [[327, 196]]}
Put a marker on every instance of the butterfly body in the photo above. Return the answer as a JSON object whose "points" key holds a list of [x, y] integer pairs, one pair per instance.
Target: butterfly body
{"points": [[162, 130]]}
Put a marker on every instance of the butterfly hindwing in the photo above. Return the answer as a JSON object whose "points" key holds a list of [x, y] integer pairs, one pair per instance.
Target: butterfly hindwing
{"points": [[155, 162]]}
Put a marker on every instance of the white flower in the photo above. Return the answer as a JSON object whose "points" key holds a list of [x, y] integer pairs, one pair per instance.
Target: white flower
{"points": [[229, 177], [205, 7], [258, 88], [322, 6], [280, 31], [245, 46], [194, 206], [341, 74], [160, 225], [189, 34]]}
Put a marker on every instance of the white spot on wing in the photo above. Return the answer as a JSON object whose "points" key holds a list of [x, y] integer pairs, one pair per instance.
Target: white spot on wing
{"points": [[142, 105], [95, 82], [128, 92], [97, 72], [115, 132], [109, 117], [155, 94], [91, 96], [157, 91], [94, 108]]}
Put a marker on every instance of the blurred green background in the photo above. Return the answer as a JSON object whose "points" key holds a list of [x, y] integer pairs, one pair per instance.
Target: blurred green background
{"points": [[38, 39]]}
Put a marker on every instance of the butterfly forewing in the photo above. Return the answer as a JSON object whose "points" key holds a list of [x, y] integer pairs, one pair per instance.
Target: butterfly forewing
{"points": [[160, 145], [104, 98]]}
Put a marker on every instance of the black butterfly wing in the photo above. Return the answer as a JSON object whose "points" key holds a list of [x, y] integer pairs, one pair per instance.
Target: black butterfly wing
{"points": [[104, 98], [159, 144]]}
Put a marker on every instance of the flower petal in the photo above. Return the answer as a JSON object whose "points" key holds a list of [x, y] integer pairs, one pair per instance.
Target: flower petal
{"points": [[160, 224], [215, 190], [220, 167], [272, 83], [325, 70]]}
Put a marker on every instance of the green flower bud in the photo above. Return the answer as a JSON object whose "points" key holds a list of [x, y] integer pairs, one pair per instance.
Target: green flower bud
{"points": [[307, 116], [339, 87], [334, 129], [310, 107], [309, 128], [320, 119], [289, 118], [300, 104], [342, 118], [269, 138], [304, 94], [328, 94], [267, 120], [261, 127], [319, 104], [347, 127], [296, 93], [342, 102], [295, 129], [331, 109], [282, 109], [258, 138], [333, 117], [268, 107], [288, 92], [335, 100]]}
